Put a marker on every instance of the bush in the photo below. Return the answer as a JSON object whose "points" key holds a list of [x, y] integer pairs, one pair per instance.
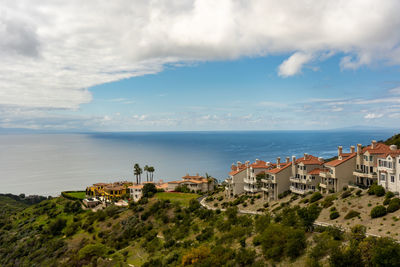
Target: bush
{"points": [[284, 194], [378, 211], [345, 194], [149, 190], [377, 190], [386, 201], [315, 197], [351, 214], [334, 215], [328, 201], [394, 205], [389, 194], [358, 193]]}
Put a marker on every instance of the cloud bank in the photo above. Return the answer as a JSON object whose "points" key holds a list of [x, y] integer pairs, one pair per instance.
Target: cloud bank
{"points": [[52, 51]]}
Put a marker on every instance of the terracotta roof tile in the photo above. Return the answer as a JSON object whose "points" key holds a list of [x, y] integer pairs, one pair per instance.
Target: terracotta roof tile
{"points": [[336, 162]]}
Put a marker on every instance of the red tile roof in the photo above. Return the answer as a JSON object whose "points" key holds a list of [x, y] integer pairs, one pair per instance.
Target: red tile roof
{"points": [[281, 168], [345, 157], [315, 171], [380, 148], [309, 160]]}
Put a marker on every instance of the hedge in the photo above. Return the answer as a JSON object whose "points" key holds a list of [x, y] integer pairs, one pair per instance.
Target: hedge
{"points": [[378, 211], [394, 205], [351, 214], [315, 197], [334, 215]]}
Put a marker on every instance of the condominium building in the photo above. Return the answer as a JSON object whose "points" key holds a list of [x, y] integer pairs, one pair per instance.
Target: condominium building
{"points": [[235, 182], [193, 182], [252, 185], [389, 169], [305, 174], [366, 162], [338, 173], [276, 180]]}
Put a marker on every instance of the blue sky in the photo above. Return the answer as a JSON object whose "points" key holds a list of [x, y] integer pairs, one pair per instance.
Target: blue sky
{"points": [[246, 94], [199, 65]]}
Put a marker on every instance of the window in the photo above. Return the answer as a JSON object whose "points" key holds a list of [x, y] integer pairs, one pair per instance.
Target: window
{"points": [[383, 177], [371, 169], [370, 158], [392, 179], [358, 167]]}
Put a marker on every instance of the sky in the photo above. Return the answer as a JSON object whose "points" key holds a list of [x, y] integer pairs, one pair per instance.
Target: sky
{"points": [[199, 65]]}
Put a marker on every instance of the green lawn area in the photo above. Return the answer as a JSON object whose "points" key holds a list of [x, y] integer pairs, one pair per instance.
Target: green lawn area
{"points": [[77, 194], [183, 198]]}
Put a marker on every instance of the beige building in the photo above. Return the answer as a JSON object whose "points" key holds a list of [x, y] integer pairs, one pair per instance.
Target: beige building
{"points": [[305, 174], [251, 185], [338, 172], [194, 183], [366, 171], [136, 190], [235, 182], [276, 180], [389, 169]]}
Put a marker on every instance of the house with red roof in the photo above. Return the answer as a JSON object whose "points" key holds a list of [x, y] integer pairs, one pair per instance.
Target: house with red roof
{"points": [[235, 182], [193, 182], [276, 180], [338, 173], [388, 169], [366, 172], [305, 174]]}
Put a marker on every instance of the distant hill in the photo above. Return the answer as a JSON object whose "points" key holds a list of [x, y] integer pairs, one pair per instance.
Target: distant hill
{"points": [[394, 140]]}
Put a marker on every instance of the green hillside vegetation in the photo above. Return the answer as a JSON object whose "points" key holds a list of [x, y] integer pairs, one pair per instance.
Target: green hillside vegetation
{"points": [[394, 140], [161, 232]]}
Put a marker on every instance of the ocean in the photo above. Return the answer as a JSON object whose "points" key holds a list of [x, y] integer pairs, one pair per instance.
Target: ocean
{"points": [[47, 164]]}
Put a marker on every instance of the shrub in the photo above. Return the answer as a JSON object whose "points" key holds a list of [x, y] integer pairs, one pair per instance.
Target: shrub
{"points": [[377, 190], [328, 201], [334, 215], [394, 205], [386, 201], [284, 194], [351, 214], [389, 194], [358, 193], [345, 194], [378, 211], [149, 190], [315, 197]]}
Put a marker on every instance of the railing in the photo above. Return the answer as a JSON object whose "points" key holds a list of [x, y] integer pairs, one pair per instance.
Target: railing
{"points": [[249, 181], [298, 190]]}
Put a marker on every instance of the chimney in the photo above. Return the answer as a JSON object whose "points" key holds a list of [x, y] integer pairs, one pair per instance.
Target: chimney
{"points": [[352, 149], [247, 163], [268, 163], [293, 160], [320, 159], [278, 161], [257, 161], [305, 155], [287, 159], [359, 149], [339, 150], [393, 147], [373, 144], [239, 163]]}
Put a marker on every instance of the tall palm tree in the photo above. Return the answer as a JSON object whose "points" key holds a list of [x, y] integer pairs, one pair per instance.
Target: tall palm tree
{"points": [[151, 171], [146, 169], [136, 172]]}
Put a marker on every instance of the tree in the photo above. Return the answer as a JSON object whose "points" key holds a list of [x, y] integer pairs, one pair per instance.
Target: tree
{"points": [[137, 171], [151, 170], [146, 169], [149, 188]]}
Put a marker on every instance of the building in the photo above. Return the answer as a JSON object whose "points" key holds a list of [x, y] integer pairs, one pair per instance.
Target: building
{"points": [[366, 172], [251, 184], [108, 191], [235, 182], [136, 190], [389, 169], [305, 174], [338, 173], [276, 180], [195, 183]]}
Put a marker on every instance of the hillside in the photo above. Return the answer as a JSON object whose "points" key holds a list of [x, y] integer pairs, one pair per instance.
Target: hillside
{"points": [[163, 233], [394, 140]]}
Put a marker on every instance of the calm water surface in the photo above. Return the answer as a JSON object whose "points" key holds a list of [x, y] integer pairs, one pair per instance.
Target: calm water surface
{"points": [[47, 164]]}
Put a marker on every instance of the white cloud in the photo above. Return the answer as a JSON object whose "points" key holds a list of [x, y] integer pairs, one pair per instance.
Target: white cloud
{"points": [[51, 51], [293, 64], [395, 91], [373, 116]]}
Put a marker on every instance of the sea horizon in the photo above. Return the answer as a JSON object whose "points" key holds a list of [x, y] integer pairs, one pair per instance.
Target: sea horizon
{"points": [[48, 163]]}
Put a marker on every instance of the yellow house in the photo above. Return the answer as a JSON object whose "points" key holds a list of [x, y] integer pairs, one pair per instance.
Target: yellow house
{"points": [[108, 190]]}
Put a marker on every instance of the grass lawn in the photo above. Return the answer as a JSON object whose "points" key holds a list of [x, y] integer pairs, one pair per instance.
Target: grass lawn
{"points": [[77, 194], [183, 198]]}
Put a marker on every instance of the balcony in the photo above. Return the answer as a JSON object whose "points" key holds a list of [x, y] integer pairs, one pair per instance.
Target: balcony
{"points": [[325, 174], [268, 181], [249, 181], [298, 190], [359, 173], [326, 185], [299, 180], [251, 189]]}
